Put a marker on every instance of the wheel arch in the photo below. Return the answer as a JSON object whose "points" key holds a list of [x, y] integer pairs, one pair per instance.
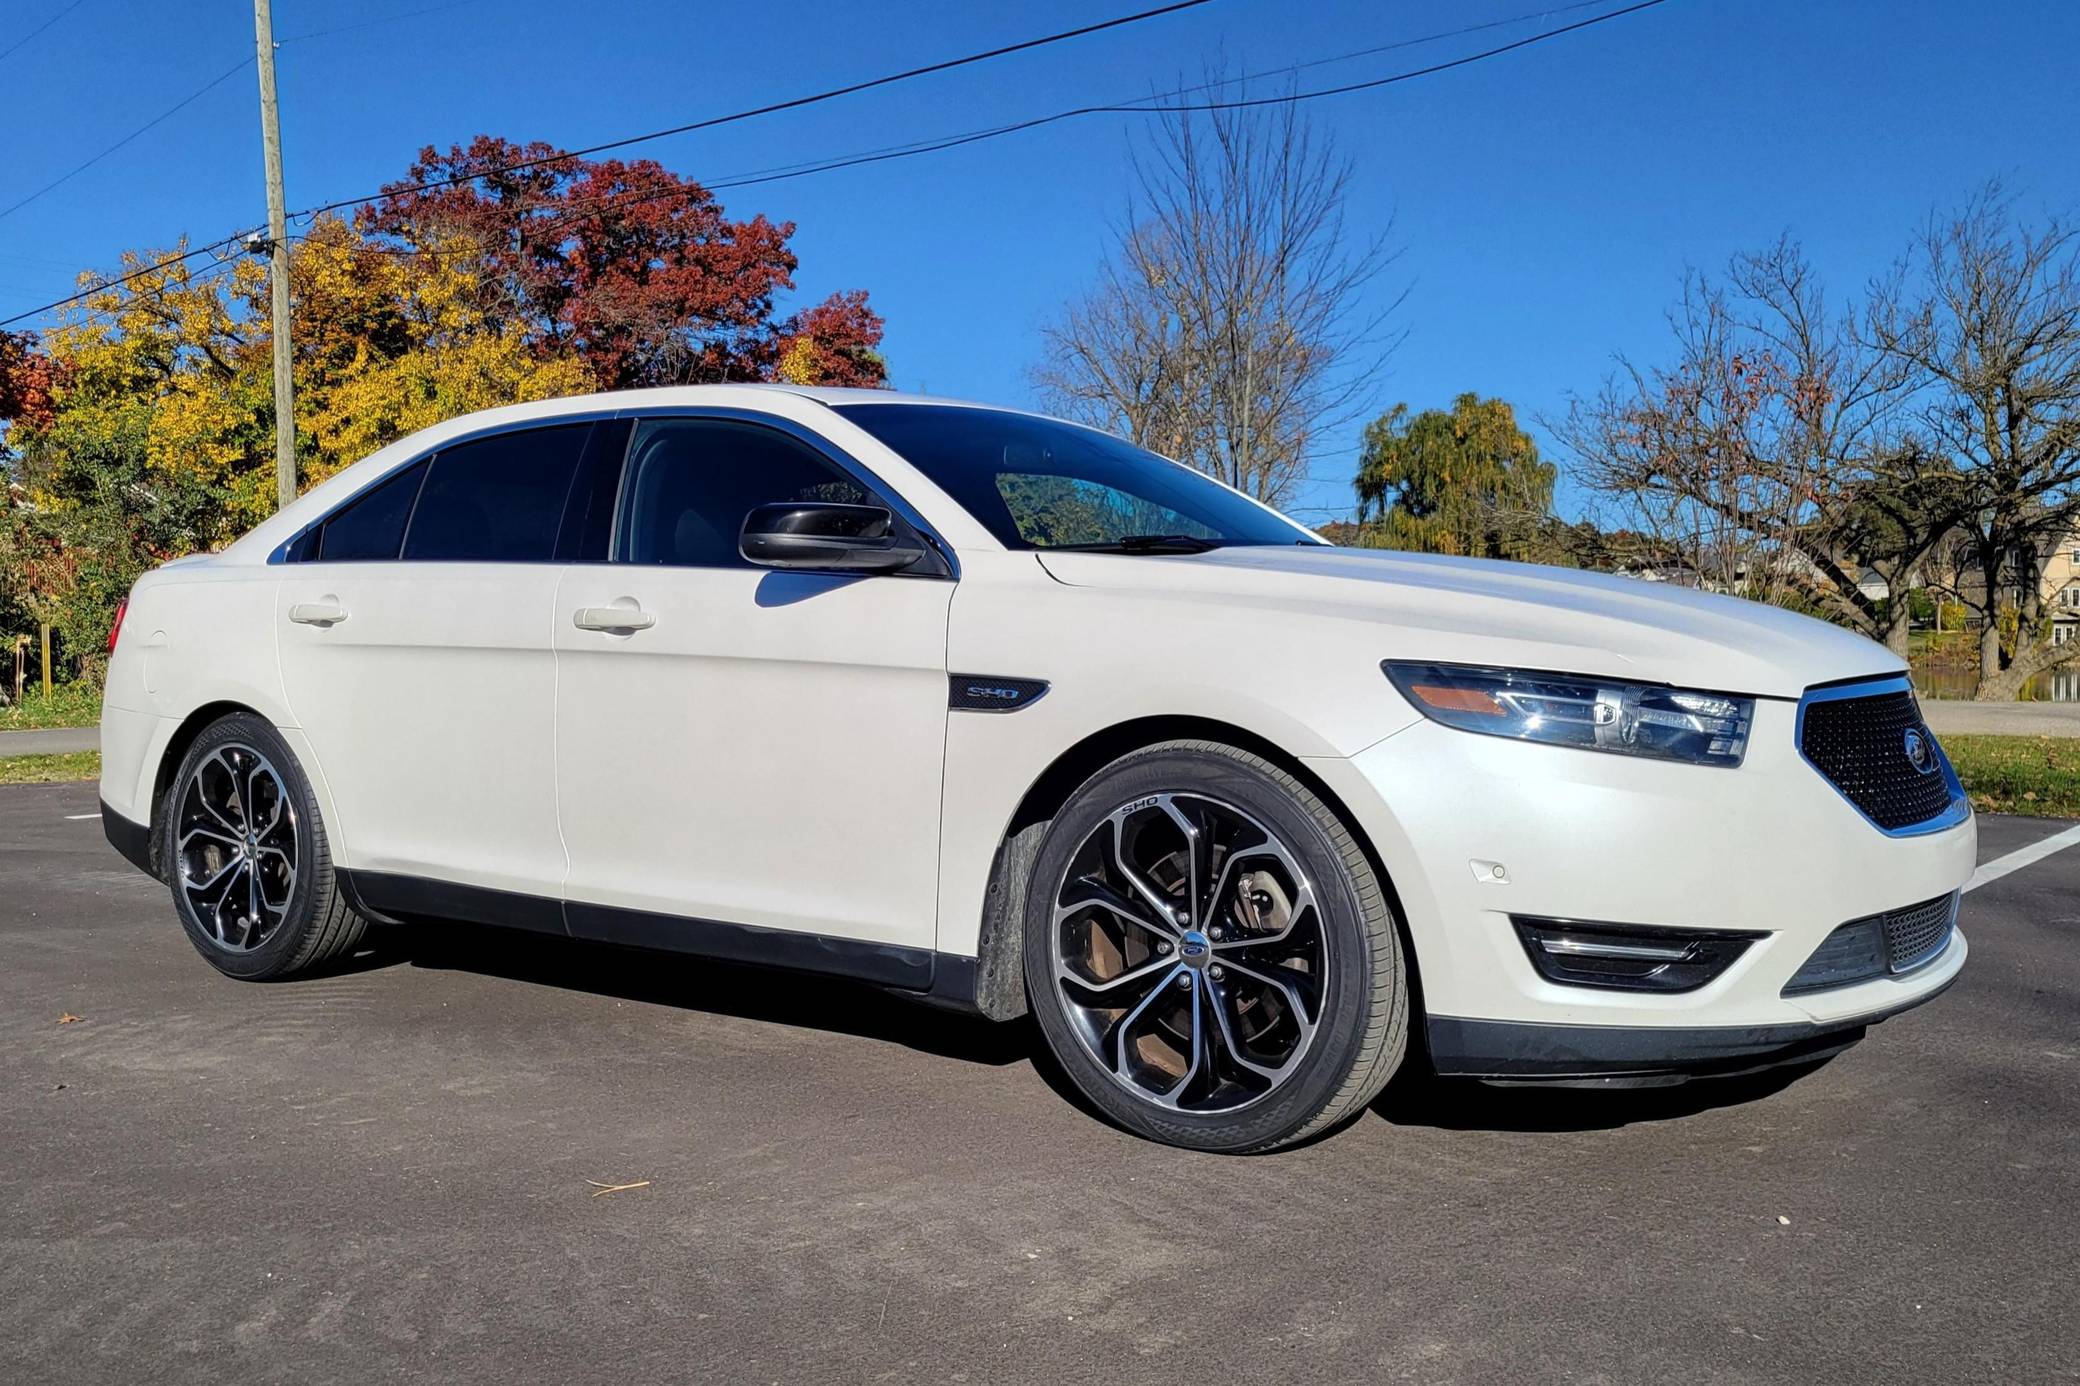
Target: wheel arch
{"points": [[176, 751], [1000, 991]]}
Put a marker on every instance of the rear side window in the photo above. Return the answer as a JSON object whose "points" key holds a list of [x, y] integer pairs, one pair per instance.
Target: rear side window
{"points": [[691, 482], [371, 526], [498, 499]]}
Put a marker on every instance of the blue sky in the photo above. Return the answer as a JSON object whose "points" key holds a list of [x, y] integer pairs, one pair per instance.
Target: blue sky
{"points": [[1545, 203]]}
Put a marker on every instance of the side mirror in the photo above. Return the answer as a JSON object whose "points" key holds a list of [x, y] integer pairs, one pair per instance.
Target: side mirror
{"points": [[827, 537]]}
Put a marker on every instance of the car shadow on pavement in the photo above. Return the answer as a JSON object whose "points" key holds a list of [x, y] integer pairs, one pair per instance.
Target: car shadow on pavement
{"points": [[1418, 1097], [698, 984]]}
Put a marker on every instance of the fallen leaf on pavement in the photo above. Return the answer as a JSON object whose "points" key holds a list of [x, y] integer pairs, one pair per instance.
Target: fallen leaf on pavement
{"points": [[599, 1188], [68, 1018]]}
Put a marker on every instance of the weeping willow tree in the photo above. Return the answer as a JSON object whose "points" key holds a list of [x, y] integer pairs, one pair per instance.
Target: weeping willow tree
{"points": [[1462, 481]]}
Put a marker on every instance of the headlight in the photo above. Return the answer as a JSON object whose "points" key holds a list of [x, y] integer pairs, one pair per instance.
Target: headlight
{"points": [[1634, 719]]}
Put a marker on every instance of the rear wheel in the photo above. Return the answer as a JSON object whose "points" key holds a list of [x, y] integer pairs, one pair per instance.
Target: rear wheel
{"points": [[1210, 953], [247, 856]]}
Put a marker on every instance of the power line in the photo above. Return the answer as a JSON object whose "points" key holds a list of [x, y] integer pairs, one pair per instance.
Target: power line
{"points": [[888, 154], [120, 280], [794, 103], [9, 50], [949, 142], [372, 23], [1181, 108], [172, 110], [704, 124]]}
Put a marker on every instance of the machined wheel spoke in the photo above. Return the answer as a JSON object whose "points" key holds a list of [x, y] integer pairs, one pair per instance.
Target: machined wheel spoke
{"points": [[195, 887], [1302, 915], [1127, 984], [1090, 894], [1160, 904], [1172, 1096], [1198, 852], [1302, 1014], [1237, 1053], [227, 839]]}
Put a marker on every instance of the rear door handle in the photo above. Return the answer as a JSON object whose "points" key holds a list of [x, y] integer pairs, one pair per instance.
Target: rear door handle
{"points": [[325, 613], [612, 618]]}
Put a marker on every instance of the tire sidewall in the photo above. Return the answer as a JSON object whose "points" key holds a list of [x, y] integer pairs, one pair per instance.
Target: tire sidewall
{"points": [[1349, 982], [283, 950]]}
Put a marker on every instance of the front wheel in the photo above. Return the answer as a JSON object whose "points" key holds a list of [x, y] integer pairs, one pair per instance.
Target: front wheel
{"points": [[247, 856], [1210, 953]]}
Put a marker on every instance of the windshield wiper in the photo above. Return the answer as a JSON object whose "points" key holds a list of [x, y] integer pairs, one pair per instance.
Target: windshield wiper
{"points": [[1149, 543]]}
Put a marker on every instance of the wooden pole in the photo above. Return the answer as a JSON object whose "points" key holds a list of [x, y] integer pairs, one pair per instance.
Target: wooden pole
{"points": [[278, 246], [46, 660]]}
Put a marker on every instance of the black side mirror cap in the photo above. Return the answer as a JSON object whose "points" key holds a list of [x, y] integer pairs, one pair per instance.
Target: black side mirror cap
{"points": [[825, 536]]}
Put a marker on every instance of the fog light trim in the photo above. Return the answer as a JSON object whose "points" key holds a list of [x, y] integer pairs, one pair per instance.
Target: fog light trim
{"points": [[1629, 957]]}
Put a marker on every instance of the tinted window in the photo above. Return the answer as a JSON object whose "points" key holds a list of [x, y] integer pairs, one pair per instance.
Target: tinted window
{"points": [[371, 526], [1038, 483], [691, 482], [497, 500]]}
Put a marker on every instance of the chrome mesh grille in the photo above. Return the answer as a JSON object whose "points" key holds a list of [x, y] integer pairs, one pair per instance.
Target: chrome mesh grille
{"points": [[1914, 935], [1859, 744]]}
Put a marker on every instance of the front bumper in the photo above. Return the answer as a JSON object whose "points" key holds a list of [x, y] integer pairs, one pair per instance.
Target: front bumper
{"points": [[1473, 829], [1512, 1051]]}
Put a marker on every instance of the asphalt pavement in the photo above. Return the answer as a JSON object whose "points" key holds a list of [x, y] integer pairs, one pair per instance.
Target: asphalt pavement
{"points": [[50, 741], [482, 1157]]}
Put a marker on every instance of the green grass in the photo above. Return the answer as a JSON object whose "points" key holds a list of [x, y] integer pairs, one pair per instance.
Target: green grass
{"points": [[69, 705], [79, 765], [2019, 774]]}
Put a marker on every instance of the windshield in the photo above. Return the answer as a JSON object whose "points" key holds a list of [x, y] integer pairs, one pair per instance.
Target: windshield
{"points": [[1037, 483]]}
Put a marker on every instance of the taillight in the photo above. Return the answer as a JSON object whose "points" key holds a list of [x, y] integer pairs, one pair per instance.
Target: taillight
{"points": [[116, 628]]}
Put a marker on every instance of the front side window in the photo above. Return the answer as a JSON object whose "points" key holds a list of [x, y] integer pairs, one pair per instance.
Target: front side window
{"points": [[691, 482], [498, 499], [1038, 483]]}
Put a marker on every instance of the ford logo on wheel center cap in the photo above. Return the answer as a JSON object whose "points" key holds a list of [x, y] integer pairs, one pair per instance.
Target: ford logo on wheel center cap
{"points": [[1193, 949], [1918, 753]]}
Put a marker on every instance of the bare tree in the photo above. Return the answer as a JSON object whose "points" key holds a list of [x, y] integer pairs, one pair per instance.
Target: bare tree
{"points": [[1985, 313], [1230, 326], [1770, 455]]}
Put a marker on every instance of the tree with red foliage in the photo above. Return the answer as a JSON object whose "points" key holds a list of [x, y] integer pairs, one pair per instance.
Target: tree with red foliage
{"points": [[629, 265], [27, 377]]}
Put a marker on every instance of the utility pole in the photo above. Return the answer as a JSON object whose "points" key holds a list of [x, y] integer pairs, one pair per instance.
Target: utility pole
{"points": [[278, 247]]}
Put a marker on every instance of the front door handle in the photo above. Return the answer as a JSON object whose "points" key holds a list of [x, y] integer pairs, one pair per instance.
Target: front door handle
{"points": [[612, 618], [325, 613]]}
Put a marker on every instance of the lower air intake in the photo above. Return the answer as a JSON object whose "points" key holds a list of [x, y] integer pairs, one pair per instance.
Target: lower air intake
{"points": [[1879, 945]]}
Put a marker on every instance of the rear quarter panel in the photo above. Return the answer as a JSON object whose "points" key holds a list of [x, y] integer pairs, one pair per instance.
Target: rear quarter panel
{"points": [[196, 633]]}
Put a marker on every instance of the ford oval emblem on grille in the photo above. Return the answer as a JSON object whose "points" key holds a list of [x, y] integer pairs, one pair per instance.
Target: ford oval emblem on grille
{"points": [[1918, 754]]}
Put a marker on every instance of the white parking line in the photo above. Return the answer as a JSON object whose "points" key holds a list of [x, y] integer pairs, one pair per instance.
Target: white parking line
{"points": [[76, 817], [2027, 856]]}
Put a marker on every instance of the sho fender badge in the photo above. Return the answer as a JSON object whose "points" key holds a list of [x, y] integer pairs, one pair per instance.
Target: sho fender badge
{"points": [[992, 692]]}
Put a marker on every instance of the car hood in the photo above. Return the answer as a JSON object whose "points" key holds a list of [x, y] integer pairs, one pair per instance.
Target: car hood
{"points": [[1478, 611]]}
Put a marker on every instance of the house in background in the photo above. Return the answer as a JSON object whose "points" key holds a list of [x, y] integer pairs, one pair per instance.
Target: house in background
{"points": [[2060, 587]]}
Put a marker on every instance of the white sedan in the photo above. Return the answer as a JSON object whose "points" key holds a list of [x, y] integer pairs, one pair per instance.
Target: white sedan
{"points": [[1005, 714]]}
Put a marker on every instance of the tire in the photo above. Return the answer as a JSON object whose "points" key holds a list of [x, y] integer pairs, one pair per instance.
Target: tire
{"points": [[247, 858], [1280, 1028]]}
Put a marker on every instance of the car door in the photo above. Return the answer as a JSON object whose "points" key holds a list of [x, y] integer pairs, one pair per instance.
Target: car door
{"points": [[414, 637], [750, 747]]}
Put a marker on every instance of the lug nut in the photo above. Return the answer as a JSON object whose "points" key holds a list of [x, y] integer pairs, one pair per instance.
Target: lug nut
{"points": [[1184, 979], [1214, 932], [1215, 972], [1163, 945]]}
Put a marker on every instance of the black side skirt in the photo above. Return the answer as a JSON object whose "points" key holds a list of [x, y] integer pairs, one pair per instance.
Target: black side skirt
{"points": [[944, 979]]}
